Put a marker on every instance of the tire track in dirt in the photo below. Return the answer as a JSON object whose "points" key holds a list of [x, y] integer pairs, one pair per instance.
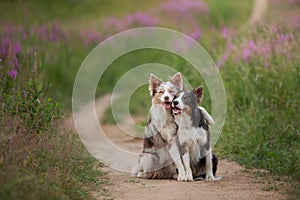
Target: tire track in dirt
{"points": [[235, 184]]}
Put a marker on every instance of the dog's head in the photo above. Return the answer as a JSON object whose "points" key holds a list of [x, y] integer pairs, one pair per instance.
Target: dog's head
{"points": [[164, 92], [185, 102]]}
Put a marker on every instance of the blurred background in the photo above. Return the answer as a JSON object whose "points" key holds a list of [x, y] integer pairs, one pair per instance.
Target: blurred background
{"points": [[255, 44]]}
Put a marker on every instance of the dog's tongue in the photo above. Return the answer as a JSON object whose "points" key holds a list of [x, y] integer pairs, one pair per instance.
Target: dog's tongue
{"points": [[167, 106], [176, 111]]}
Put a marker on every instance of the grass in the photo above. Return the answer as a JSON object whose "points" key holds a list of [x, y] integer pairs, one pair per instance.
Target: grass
{"points": [[261, 80]]}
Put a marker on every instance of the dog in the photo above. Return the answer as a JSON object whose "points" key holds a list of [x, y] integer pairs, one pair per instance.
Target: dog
{"points": [[160, 145], [193, 135], [160, 158]]}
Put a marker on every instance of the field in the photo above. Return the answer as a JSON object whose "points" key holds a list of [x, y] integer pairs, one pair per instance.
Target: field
{"points": [[43, 43]]}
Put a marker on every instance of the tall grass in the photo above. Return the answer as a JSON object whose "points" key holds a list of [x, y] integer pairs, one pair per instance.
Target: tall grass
{"points": [[259, 66], [38, 159]]}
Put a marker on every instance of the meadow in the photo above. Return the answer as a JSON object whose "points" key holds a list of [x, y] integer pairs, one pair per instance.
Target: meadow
{"points": [[42, 45]]}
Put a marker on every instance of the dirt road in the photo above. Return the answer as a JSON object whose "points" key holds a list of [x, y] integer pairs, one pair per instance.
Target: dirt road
{"points": [[235, 184]]}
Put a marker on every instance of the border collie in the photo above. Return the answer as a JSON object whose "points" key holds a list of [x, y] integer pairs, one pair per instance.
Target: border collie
{"points": [[193, 135], [160, 145]]}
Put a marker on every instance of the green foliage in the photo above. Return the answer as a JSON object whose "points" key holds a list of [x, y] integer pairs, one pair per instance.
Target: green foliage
{"points": [[262, 123], [40, 161]]}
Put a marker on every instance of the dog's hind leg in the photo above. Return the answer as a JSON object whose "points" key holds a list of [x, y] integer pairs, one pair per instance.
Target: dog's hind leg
{"points": [[215, 164], [146, 166], [209, 166]]}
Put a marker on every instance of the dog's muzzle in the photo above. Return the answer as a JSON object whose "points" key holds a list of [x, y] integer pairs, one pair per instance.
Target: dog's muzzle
{"points": [[167, 105], [175, 109]]}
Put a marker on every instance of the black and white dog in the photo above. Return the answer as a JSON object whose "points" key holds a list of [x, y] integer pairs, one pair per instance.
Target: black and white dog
{"points": [[193, 135]]}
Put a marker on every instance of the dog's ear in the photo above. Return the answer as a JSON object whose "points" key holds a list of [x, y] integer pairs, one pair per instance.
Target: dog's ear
{"points": [[199, 93], [177, 80], [154, 82]]}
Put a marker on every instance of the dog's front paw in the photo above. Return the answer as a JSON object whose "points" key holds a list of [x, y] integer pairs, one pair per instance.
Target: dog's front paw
{"points": [[181, 177], [209, 177], [189, 177], [140, 175]]}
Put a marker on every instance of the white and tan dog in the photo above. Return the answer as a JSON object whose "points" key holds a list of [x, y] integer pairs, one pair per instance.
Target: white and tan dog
{"points": [[193, 135], [160, 146]]}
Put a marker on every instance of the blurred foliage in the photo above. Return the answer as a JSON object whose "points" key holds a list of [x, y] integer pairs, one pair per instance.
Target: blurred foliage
{"points": [[259, 66]]}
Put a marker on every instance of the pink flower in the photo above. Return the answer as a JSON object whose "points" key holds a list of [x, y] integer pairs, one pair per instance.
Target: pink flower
{"points": [[144, 19], [246, 55], [265, 50], [223, 59], [282, 38], [13, 74], [252, 46], [196, 34], [225, 33], [16, 47], [296, 22]]}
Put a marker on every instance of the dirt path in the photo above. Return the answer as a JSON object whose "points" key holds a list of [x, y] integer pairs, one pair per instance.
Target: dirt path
{"points": [[235, 184]]}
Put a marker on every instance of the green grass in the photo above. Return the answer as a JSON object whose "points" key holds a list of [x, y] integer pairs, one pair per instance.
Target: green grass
{"points": [[262, 122]]}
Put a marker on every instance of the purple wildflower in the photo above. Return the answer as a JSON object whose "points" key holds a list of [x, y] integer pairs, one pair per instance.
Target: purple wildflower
{"points": [[296, 22], [91, 37], [196, 34], [246, 55], [282, 39], [144, 19], [113, 23], [16, 62], [252, 45], [16, 47], [13, 74], [4, 47], [225, 33], [223, 59], [43, 32], [183, 6]]}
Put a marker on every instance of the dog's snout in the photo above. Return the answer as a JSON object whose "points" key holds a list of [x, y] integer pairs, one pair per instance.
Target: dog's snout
{"points": [[167, 98], [175, 103]]}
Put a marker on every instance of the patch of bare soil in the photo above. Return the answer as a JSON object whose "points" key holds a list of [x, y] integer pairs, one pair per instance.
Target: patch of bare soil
{"points": [[235, 183]]}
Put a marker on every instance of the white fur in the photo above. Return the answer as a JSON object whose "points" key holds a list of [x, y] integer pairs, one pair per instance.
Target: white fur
{"points": [[161, 123], [195, 138], [206, 115]]}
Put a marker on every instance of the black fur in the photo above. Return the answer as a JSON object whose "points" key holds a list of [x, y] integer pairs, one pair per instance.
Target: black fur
{"points": [[202, 163]]}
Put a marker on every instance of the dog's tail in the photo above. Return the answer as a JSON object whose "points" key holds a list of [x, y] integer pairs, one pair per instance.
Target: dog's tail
{"points": [[209, 120]]}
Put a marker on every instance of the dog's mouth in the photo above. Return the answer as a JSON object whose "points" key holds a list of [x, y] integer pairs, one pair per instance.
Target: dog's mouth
{"points": [[176, 111], [167, 105]]}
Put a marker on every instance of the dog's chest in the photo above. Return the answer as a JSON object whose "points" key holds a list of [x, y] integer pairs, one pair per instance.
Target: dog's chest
{"points": [[188, 133], [163, 122]]}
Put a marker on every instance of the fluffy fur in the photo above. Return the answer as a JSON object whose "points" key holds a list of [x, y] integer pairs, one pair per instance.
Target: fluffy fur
{"points": [[160, 146], [193, 135]]}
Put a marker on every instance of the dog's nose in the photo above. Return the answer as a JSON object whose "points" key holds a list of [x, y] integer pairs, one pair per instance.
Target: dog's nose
{"points": [[175, 103], [167, 98]]}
